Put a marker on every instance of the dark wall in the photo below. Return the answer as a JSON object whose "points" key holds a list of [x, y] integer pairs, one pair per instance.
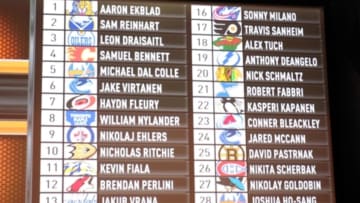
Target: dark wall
{"points": [[342, 41]]}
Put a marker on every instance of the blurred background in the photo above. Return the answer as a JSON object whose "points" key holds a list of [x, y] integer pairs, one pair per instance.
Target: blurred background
{"points": [[342, 26]]}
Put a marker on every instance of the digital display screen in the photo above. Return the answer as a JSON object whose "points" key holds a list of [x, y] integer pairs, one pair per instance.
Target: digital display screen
{"points": [[179, 102]]}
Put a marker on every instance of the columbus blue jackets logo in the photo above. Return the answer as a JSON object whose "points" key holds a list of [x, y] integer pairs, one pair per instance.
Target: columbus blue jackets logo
{"points": [[231, 13]]}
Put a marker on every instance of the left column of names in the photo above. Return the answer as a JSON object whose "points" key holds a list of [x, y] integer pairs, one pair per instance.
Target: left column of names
{"points": [[68, 150]]}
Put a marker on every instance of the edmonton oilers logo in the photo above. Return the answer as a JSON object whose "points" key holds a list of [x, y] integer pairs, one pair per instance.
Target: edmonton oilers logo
{"points": [[81, 38]]}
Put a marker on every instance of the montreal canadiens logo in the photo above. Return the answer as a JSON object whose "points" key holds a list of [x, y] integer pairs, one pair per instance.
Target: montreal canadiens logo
{"points": [[231, 168], [81, 102], [80, 134]]}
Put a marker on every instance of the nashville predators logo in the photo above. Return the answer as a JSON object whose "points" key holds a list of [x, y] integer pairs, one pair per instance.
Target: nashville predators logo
{"points": [[82, 151]]}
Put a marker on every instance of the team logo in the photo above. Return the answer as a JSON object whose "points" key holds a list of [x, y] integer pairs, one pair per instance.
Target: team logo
{"points": [[231, 152], [229, 58], [229, 89], [81, 70], [81, 85], [80, 118], [231, 28], [81, 38], [81, 54], [80, 134], [231, 168], [229, 74], [227, 43], [227, 13], [79, 168], [230, 136], [80, 184], [230, 121], [231, 184], [232, 198], [229, 105], [82, 7], [80, 151], [80, 198], [81, 23], [81, 102]]}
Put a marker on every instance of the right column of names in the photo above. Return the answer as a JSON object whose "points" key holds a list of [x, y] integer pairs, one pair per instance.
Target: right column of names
{"points": [[287, 135]]}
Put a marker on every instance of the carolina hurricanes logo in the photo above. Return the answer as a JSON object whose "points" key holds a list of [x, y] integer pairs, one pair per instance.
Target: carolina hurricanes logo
{"points": [[81, 102]]}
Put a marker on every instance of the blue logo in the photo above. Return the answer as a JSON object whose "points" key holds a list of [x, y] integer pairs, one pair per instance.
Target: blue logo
{"points": [[80, 134], [229, 89], [231, 137], [80, 118], [81, 23], [230, 58], [81, 70], [81, 38], [227, 13], [81, 85]]}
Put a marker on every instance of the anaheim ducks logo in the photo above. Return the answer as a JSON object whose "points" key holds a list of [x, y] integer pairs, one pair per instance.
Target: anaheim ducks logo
{"points": [[82, 151]]}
